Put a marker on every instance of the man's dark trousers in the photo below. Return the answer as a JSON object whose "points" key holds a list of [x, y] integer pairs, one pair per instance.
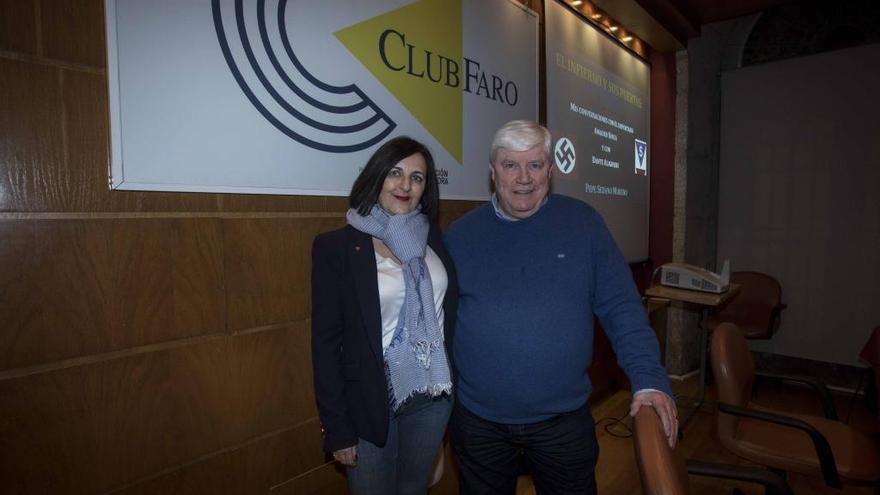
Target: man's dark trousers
{"points": [[560, 453]]}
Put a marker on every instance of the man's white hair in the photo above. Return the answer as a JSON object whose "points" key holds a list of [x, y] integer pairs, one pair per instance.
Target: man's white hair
{"points": [[520, 135]]}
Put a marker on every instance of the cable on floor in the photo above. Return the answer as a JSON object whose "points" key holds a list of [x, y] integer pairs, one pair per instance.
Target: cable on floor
{"points": [[613, 426]]}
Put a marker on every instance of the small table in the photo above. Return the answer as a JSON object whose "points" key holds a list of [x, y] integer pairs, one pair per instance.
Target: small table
{"points": [[707, 301]]}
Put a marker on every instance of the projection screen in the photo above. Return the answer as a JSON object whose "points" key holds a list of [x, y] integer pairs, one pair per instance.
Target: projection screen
{"points": [[598, 109]]}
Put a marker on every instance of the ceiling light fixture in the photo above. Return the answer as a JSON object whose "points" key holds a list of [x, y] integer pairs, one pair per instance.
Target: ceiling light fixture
{"points": [[626, 39], [576, 3], [613, 28]]}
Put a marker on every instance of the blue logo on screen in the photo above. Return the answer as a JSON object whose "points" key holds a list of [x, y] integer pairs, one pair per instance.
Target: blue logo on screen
{"points": [[277, 84], [641, 157]]}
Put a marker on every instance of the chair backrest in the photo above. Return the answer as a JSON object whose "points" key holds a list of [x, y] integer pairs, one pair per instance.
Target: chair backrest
{"points": [[734, 373], [660, 471], [755, 308]]}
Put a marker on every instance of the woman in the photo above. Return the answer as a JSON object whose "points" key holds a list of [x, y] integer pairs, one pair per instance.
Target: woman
{"points": [[383, 292]]}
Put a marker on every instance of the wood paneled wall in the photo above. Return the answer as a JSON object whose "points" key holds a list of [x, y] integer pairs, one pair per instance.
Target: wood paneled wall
{"points": [[149, 342]]}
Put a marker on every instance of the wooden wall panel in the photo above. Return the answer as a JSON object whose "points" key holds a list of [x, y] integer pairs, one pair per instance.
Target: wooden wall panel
{"points": [[79, 287], [17, 26], [273, 460], [95, 427], [337, 204], [268, 268], [272, 379], [217, 474], [82, 178], [662, 200], [73, 30], [271, 203], [89, 428], [326, 480], [32, 142], [452, 210]]}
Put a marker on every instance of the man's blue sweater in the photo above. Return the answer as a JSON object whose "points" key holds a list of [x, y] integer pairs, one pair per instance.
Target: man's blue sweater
{"points": [[528, 291]]}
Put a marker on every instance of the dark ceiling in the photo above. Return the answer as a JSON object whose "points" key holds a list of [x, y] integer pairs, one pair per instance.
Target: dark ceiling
{"points": [[683, 19], [786, 27], [707, 11], [667, 25]]}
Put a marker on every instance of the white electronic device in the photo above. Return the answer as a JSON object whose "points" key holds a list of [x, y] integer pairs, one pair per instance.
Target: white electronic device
{"points": [[684, 276]]}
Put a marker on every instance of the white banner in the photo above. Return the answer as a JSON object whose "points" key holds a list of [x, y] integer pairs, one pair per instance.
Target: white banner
{"points": [[292, 97]]}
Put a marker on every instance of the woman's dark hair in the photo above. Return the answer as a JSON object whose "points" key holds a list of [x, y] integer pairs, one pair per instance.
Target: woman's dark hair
{"points": [[368, 185]]}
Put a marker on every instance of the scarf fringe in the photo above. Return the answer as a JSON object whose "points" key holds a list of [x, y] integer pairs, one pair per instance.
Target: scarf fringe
{"points": [[432, 390]]}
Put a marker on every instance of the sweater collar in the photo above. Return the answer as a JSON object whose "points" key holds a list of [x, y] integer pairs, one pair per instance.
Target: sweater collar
{"points": [[504, 216]]}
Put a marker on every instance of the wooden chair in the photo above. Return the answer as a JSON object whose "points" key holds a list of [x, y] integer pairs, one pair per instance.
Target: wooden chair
{"points": [[662, 473], [756, 309], [756, 312], [805, 444]]}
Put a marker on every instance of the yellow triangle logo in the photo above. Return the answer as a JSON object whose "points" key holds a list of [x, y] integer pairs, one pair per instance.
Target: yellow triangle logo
{"points": [[416, 52]]}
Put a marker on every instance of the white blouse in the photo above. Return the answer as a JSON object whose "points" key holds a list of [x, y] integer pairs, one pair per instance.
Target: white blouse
{"points": [[392, 290]]}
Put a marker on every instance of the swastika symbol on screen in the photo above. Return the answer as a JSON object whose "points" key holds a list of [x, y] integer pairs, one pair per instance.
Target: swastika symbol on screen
{"points": [[564, 155]]}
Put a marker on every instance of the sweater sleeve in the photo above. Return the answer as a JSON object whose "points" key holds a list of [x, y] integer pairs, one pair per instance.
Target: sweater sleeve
{"points": [[327, 332], [617, 304]]}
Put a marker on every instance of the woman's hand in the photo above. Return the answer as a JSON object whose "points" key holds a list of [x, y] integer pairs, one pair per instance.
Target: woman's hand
{"points": [[347, 456]]}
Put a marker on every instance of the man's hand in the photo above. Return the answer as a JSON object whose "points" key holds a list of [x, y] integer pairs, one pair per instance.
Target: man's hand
{"points": [[666, 409], [347, 456]]}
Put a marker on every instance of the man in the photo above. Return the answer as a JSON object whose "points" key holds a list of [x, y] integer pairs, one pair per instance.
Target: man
{"points": [[533, 269]]}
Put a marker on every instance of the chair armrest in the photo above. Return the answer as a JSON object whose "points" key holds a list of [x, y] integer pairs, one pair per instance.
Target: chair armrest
{"points": [[772, 482], [828, 406], [823, 448]]}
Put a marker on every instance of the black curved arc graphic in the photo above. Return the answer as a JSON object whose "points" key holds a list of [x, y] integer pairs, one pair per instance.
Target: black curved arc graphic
{"points": [[264, 35], [249, 53], [282, 25], [255, 101]]}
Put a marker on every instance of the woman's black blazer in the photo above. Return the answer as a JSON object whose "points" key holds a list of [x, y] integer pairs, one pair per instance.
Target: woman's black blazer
{"points": [[349, 368]]}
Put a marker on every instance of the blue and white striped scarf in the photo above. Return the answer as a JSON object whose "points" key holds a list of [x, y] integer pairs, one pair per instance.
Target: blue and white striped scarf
{"points": [[416, 358]]}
